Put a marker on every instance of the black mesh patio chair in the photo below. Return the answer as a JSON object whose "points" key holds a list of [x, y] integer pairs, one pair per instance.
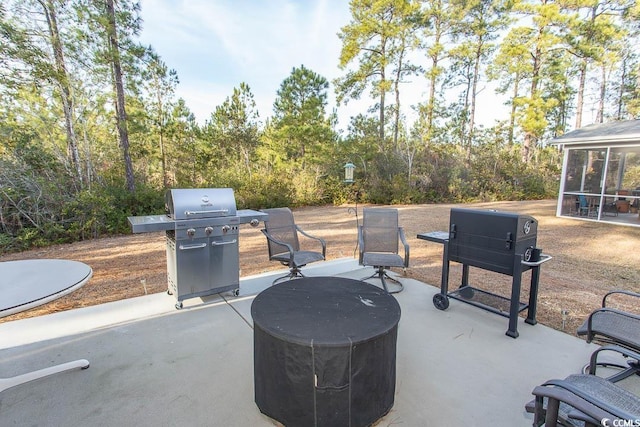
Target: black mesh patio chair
{"points": [[609, 325], [582, 400], [283, 242], [378, 240]]}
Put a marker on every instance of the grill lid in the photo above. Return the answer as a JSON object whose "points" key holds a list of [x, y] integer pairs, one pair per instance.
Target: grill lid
{"points": [[195, 203]]}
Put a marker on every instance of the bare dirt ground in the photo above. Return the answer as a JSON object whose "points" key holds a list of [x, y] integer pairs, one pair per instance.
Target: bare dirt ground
{"points": [[589, 259]]}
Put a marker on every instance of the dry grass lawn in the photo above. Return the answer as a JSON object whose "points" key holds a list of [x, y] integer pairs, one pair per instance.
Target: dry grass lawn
{"points": [[589, 258]]}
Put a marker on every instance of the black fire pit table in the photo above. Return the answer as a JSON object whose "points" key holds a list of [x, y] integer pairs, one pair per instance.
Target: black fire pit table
{"points": [[325, 352], [501, 242]]}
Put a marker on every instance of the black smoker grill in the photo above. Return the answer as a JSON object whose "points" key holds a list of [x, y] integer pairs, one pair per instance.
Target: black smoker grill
{"points": [[496, 241], [201, 227]]}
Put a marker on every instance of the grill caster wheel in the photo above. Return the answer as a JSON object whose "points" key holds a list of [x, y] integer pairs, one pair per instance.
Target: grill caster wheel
{"points": [[235, 292], [441, 301], [178, 305]]}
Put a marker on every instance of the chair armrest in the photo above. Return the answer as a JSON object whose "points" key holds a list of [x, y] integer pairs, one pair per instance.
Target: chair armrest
{"points": [[321, 241], [278, 242], [406, 246], [574, 414], [593, 364], [618, 291], [555, 396], [595, 397]]}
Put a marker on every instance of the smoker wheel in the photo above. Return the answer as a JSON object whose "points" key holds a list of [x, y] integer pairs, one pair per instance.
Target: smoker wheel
{"points": [[441, 301], [178, 305], [236, 292]]}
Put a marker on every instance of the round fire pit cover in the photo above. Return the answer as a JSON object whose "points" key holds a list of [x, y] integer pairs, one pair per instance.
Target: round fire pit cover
{"points": [[325, 352]]}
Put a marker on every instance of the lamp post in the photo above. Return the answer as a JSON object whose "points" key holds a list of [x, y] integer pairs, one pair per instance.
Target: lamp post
{"points": [[348, 179]]}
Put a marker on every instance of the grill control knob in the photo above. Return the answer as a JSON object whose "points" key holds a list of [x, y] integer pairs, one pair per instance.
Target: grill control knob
{"points": [[225, 228], [208, 230], [191, 232], [254, 222]]}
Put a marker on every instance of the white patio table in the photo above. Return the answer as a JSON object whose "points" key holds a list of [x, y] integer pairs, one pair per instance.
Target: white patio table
{"points": [[26, 284]]}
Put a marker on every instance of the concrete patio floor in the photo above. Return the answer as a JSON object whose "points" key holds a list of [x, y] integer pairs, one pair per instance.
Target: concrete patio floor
{"points": [[152, 365]]}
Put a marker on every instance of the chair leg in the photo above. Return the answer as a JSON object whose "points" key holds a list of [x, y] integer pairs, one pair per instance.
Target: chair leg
{"points": [[294, 273], [381, 274]]}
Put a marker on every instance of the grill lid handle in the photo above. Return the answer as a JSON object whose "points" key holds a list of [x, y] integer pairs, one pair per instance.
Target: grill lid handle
{"points": [[214, 211]]}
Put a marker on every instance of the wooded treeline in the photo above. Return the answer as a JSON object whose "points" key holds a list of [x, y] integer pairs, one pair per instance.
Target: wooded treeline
{"points": [[91, 130]]}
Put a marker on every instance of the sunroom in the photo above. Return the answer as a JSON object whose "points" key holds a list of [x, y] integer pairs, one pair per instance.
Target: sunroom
{"points": [[601, 173]]}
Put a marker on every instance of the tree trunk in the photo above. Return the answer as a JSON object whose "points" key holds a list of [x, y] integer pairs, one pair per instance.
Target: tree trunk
{"points": [[512, 114], [623, 78], [396, 121], [121, 114], [433, 78], [603, 93], [465, 142], [431, 106], [382, 96], [62, 79], [529, 136], [474, 94], [580, 100], [163, 155], [161, 127]]}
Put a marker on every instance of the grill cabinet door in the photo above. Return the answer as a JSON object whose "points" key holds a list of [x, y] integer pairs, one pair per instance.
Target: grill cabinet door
{"points": [[224, 262], [192, 271]]}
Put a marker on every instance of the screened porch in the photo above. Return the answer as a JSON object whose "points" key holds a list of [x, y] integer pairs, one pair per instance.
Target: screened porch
{"points": [[601, 173]]}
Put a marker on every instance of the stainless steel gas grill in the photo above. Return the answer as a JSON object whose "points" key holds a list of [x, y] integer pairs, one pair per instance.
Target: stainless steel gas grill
{"points": [[201, 226], [501, 242]]}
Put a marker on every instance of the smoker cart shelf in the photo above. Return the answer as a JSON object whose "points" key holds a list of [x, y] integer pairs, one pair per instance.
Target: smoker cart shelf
{"points": [[486, 300], [481, 247], [490, 301], [480, 298]]}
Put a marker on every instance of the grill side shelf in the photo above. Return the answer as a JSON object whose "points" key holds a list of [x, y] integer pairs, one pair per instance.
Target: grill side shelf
{"points": [[150, 223], [543, 258], [435, 236], [249, 216]]}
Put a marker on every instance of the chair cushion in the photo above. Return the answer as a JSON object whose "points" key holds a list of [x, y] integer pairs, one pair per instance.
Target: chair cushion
{"points": [[382, 260]]}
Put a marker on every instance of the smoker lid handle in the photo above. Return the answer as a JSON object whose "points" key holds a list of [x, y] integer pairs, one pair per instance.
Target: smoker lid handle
{"points": [[509, 241]]}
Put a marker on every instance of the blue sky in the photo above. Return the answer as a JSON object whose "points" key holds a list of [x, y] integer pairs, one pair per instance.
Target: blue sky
{"points": [[214, 45]]}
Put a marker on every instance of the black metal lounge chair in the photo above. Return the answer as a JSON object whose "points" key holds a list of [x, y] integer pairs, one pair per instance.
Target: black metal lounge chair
{"points": [[583, 400], [283, 243], [378, 238], [610, 325]]}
